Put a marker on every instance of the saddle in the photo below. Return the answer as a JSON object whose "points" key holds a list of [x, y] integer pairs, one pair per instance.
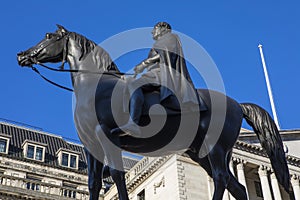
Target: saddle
{"points": [[170, 105]]}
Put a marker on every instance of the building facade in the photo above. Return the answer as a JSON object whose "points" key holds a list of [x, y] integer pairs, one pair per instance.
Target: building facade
{"points": [[37, 165], [178, 177]]}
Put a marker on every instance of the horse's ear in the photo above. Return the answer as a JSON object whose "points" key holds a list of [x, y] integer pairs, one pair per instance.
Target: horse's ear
{"points": [[62, 29]]}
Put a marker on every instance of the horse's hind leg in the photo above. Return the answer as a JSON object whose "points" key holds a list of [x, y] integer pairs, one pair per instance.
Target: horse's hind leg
{"points": [[237, 190], [94, 175]]}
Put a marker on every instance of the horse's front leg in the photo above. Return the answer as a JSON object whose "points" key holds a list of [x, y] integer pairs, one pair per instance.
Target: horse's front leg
{"points": [[94, 175], [114, 159], [119, 178]]}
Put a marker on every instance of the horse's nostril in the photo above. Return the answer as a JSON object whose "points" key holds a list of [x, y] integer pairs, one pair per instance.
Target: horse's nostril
{"points": [[22, 59], [20, 56]]}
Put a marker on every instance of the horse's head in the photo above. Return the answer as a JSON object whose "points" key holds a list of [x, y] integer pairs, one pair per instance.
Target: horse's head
{"points": [[51, 49]]}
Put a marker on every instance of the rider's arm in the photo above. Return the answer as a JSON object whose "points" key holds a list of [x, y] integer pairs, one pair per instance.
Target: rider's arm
{"points": [[154, 58], [151, 60]]}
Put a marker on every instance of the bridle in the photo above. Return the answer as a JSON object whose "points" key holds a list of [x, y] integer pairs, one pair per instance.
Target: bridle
{"points": [[61, 67]]}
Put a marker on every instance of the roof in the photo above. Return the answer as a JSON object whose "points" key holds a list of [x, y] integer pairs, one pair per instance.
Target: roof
{"points": [[19, 134], [129, 162]]}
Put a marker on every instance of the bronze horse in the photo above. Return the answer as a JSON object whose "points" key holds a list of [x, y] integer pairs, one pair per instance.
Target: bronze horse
{"points": [[97, 86]]}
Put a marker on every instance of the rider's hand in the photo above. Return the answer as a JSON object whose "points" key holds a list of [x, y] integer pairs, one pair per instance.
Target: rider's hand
{"points": [[139, 68]]}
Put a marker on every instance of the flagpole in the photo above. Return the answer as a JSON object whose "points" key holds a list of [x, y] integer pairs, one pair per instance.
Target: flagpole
{"points": [[268, 86]]}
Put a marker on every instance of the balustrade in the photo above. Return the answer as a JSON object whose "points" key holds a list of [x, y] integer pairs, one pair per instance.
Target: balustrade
{"points": [[41, 187]]}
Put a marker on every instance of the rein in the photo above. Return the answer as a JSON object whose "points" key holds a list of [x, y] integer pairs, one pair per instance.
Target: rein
{"points": [[60, 69], [49, 81]]}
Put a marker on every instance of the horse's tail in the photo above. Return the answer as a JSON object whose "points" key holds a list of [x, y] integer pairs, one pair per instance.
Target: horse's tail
{"points": [[269, 137]]}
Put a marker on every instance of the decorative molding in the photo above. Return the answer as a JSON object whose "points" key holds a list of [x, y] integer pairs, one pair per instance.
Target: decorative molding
{"points": [[295, 180], [257, 150], [181, 181], [240, 166], [262, 171], [273, 176], [160, 183], [147, 169], [239, 160], [39, 170], [18, 187], [141, 171]]}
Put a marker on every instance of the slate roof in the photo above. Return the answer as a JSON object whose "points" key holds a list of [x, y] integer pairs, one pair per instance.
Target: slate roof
{"points": [[18, 134]]}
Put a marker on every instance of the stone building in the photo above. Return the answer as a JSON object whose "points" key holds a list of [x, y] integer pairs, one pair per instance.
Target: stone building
{"points": [[37, 165], [178, 177]]}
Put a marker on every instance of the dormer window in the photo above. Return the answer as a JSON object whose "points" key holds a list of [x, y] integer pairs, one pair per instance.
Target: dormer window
{"points": [[4, 144], [33, 150], [68, 158]]}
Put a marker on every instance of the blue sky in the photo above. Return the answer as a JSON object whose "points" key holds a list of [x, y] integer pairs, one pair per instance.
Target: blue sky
{"points": [[230, 32]]}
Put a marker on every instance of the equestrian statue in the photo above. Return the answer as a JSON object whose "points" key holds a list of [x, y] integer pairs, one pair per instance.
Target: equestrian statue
{"points": [[165, 95]]}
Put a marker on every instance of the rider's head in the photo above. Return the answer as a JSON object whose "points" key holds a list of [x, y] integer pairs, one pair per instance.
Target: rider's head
{"points": [[160, 29]]}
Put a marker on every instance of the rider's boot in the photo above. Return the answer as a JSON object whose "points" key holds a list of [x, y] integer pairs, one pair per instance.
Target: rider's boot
{"points": [[132, 128]]}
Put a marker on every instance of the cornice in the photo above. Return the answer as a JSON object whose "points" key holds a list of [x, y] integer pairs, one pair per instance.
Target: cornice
{"points": [[257, 150]]}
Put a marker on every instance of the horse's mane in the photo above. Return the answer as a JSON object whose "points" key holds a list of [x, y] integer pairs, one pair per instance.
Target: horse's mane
{"points": [[87, 47], [85, 44]]}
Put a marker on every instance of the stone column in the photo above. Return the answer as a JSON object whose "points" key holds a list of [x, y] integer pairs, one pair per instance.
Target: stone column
{"points": [[241, 175], [231, 168], [210, 190], [226, 195], [296, 186], [263, 175], [275, 187], [101, 195]]}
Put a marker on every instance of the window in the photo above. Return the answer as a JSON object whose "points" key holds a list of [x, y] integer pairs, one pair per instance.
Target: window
{"points": [[141, 195], [258, 189], [69, 190], [39, 153], [65, 159], [30, 151], [34, 150], [33, 182], [68, 158], [69, 193], [33, 186], [4, 143], [73, 161]]}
